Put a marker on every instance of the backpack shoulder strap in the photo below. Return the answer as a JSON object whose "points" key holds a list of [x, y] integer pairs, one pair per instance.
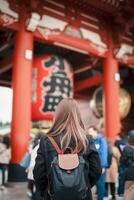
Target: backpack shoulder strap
{"points": [[55, 145]]}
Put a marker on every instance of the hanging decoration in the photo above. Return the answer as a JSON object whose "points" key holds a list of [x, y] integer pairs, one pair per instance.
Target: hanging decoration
{"points": [[97, 103], [52, 81]]}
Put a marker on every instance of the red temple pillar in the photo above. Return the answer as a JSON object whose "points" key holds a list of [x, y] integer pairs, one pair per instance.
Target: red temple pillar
{"points": [[111, 94], [22, 83]]}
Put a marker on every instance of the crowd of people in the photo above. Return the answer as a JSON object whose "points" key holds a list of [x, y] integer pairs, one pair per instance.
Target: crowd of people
{"points": [[117, 162], [109, 167], [116, 180]]}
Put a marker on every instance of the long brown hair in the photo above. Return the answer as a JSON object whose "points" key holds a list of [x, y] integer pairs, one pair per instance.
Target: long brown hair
{"points": [[69, 126]]}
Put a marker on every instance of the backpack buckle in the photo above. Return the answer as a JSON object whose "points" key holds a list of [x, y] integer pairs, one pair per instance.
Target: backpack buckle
{"points": [[69, 171]]}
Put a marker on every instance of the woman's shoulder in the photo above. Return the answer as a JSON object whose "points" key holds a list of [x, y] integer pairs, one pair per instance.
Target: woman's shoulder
{"points": [[44, 137], [43, 141], [46, 144]]}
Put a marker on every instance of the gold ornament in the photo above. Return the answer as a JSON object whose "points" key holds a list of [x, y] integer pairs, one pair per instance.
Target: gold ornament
{"points": [[97, 103]]}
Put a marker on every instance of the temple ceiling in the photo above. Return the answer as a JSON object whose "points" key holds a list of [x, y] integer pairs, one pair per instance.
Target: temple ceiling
{"points": [[86, 19]]}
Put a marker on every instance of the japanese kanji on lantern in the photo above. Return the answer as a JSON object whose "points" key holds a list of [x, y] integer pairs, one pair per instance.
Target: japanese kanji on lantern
{"points": [[52, 81]]}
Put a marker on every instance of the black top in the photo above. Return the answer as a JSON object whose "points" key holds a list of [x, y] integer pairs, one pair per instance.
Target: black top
{"points": [[120, 144], [45, 155], [127, 161]]}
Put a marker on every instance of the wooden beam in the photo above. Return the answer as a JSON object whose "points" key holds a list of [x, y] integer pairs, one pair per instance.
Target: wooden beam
{"points": [[128, 60], [102, 6], [76, 44], [81, 96], [5, 83], [6, 64], [15, 26], [87, 83], [81, 7], [86, 65]]}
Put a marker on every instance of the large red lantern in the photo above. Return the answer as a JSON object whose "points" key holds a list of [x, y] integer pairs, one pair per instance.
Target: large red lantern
{"points": [[52, 81]]}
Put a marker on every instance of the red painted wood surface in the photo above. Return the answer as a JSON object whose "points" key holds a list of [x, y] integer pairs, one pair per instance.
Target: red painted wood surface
{"points": [[87, 83], [111, 94], [22, 79]]}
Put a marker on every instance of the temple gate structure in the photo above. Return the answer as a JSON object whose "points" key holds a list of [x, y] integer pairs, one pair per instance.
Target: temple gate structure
{"points": [[99, 32]]}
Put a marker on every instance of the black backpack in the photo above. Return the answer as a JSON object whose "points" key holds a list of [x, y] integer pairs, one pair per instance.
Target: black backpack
{"points": [[129, 170], [66, 176]]}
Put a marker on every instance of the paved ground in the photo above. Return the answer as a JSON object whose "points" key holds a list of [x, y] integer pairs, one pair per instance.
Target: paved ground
{"points": [[17, 191]]}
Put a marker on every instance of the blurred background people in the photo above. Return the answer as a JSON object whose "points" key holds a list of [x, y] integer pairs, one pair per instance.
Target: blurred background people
{"points": [[32, 192], [127, 161], [112, 171], [102, 148], [120, 143], [5, 157]]}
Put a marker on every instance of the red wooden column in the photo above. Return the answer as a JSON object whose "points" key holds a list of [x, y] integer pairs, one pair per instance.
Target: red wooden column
{"points": [[22, 83], [111, 94]]}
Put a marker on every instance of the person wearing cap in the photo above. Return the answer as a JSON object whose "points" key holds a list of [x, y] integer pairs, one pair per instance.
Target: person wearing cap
{"points": [[127, 160]]}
